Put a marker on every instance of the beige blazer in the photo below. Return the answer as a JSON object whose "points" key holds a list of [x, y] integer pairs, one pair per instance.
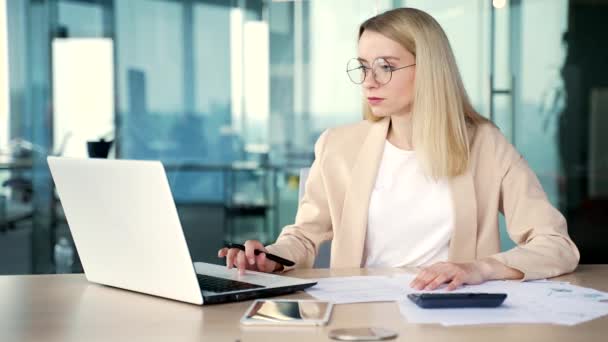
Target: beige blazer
{"points": [[498, 180]]}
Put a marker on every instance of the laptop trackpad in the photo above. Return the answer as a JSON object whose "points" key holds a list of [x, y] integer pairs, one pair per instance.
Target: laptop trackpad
{"points": [[258, 278]]}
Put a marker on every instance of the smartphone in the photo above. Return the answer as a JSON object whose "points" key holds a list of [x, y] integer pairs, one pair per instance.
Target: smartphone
{"points": [[457, 300], [280, 312]]}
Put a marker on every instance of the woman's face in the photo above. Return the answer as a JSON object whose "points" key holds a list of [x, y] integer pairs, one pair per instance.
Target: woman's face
{"points": [[396, 96]]}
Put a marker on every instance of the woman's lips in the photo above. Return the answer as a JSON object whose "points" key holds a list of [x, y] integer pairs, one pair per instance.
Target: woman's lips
{"points": [[374, 100]]}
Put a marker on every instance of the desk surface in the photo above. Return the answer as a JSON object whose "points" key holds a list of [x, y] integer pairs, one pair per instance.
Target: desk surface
{"points": [[68, 308]]}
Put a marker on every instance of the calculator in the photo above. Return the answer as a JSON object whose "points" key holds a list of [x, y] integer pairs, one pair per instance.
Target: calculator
{"points": [[457, 300]]}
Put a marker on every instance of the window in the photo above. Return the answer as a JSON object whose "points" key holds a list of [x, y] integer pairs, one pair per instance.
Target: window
{"points": [[4, 89]]}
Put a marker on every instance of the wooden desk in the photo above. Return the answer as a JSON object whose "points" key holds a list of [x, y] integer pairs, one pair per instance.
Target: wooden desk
{"points": [[67, 308]]}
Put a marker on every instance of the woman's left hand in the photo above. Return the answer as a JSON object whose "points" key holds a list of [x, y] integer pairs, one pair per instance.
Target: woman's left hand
{"points": [[455, 274], [458, 274]]}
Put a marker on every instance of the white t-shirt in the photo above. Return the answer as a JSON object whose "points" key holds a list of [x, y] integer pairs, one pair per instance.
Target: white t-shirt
{"points": [[411, 216]]}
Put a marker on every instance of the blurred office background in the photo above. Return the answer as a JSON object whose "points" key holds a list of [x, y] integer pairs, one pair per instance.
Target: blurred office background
{"points": [[231, 95]]}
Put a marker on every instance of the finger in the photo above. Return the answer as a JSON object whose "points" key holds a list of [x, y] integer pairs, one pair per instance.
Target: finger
{"points": [[422, 279], [260, 261], [255, 245], [435, 283], [414, 284], [455, 283], [426, 277], [230, 255], [415, 281], [222, 252], [270, 265], [250, 247], [421, 283], [241, 262]]}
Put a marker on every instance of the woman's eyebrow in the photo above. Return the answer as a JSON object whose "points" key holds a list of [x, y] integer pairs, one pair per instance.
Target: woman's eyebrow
{"points": [[385, 57]]}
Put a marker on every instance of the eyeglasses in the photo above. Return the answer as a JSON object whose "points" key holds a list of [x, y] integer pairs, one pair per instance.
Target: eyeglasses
{"points": [[381, 69]]}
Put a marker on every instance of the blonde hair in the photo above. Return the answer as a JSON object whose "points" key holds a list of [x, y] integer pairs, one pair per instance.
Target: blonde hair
{"points": [[441, 109]]}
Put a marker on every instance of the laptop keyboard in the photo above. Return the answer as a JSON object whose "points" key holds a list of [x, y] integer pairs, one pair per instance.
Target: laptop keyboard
{"points": [[215, 284]]}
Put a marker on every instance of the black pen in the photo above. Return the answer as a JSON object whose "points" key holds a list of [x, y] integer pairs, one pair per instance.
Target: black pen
{"points": [[270, 256]]}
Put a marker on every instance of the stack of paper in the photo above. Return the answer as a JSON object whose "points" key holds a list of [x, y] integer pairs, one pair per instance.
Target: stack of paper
{"points": [[527, 302], [357, 289]]}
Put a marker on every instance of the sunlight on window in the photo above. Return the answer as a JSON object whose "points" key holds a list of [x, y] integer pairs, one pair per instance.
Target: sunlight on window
{"points": [[4, 89], [236, 67], [83, 92], [256, 79]]}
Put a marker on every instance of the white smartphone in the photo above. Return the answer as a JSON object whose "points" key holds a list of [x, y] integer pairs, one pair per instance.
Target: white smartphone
{"points": [[287, 312]]}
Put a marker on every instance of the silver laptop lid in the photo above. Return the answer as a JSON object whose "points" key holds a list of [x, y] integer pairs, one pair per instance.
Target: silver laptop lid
{"points": [[125, 226]]}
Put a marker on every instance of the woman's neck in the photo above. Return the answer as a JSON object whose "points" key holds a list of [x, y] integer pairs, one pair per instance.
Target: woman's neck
{"points": [[400, 131]]}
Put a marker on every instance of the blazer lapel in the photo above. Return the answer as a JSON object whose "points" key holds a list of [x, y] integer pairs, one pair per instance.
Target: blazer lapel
{"points": [[463, 245], [353, 224]]}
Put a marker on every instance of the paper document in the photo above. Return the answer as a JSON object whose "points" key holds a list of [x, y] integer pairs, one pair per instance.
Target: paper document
{"points": [[527, 302], [360, 289], [538, 301]]}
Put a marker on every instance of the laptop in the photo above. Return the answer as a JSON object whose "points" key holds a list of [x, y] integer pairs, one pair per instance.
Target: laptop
{"points": [[128, 235]]}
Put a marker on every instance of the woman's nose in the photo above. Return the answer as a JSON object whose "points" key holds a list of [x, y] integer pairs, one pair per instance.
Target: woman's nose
{"points": [[370, 80]]}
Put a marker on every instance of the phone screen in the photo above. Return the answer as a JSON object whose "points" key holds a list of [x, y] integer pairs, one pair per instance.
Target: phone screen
{"points": [[288, 311]]}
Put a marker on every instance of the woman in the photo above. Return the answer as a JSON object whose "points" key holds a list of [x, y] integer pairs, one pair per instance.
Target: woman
{"points": [[421, 181]]}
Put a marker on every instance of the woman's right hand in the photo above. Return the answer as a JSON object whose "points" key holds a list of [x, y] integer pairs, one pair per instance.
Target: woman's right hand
{"points": [[247, 260]]}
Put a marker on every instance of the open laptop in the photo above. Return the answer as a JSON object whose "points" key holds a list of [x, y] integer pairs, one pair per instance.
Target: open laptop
{"points": [[128, 235]]}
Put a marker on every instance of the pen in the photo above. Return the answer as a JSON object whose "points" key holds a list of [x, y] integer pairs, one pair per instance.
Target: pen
{"points": [[270, 256]]}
